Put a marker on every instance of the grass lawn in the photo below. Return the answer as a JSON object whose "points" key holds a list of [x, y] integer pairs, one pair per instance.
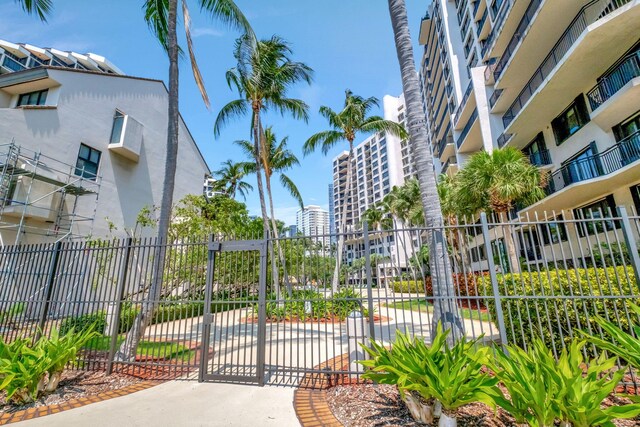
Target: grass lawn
{"points": [[155, 349], [422, 305]]}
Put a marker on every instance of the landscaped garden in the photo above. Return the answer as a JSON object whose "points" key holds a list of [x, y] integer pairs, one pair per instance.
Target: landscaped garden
{"points": [[472, 384]]}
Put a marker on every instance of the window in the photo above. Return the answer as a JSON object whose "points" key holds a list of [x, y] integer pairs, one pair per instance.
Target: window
{"points": [[596, 213], [536, 151], [116, 130], [88, 162], [635, 194], [627, 128], [33, 98], [553, 232], [571, 120], [583, 166]]}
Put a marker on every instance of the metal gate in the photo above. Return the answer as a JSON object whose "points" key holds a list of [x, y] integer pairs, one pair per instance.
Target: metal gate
{"points": [[233, 336]]}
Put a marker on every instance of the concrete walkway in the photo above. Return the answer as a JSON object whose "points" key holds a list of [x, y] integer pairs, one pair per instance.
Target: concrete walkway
{"points": [[185, 403]]}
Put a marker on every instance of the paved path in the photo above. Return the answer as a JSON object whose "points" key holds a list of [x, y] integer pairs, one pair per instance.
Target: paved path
{"points": [[185, 403]]}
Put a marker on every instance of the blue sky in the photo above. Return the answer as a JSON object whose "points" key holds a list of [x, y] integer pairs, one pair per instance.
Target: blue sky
{"points": [[349, 44]]}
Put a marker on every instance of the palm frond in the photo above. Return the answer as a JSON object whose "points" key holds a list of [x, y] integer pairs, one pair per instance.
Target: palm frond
{"points": [[378, 124], [234, 108], [229, 13], [296, 107], [289, 185], [41, 8], [197, 75], [156, 14], [325, 140]]}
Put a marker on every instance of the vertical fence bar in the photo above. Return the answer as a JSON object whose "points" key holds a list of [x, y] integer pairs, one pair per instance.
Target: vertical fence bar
{"points": [[494, 279], [207, 318], [262, 313], [51, 278], [367, 257], [632, 247], [122, 281]]}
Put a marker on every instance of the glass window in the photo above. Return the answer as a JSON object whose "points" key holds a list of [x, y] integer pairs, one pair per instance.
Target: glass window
{"points": [[536, 151], [33, 98], [571, 120], [596, 213], [116, 130], [88, 162], [553, 232], [627, 128], [583, 166], [635, 194]]}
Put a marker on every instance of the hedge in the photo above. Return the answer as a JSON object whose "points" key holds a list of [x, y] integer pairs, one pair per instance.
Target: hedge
{"points": [[466, 286], [552, 316]]}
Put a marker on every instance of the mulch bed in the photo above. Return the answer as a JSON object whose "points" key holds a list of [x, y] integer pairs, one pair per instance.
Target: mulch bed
{"points": [[75, 385], [368, 405]]}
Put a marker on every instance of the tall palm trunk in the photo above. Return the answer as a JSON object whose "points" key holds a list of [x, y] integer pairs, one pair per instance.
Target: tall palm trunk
{"points": [[509, 242], [342, 231], [258, 147], [267, 178], [445, 307], [127, 350]]}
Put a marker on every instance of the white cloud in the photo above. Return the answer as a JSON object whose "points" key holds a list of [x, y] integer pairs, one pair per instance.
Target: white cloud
{"points": [[206, 32]]}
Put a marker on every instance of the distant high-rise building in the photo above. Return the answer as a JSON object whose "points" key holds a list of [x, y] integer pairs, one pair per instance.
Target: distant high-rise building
{"points": [[313, 221], [332, 214]]}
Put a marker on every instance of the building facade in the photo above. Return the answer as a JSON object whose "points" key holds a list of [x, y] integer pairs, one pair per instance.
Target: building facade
{"points": [[558, 80], [313, 221], [82, 148]]}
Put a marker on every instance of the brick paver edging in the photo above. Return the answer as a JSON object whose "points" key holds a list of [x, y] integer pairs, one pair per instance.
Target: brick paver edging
{"points": [[41, 411], [310, 399]]}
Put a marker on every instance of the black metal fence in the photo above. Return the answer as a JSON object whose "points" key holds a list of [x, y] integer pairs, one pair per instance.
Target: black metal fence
{"points": [[284, 311]]}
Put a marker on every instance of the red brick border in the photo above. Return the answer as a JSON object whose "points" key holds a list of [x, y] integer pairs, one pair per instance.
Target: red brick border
{"points": [[310, 399], [41, 411]]}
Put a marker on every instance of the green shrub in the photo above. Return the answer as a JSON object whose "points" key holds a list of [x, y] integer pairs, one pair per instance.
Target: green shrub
{"points": [[91, 321], [466, 285], [554, 304], [309, 304]]}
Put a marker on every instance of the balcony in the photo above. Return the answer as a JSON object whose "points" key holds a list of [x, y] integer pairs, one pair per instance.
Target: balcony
{"points": [[481, 23], [472, 119], [588, 15], [11, 64], [445, 146], [494, 97], [628, 70], [463, 103], [504, 138], [499, 20], [450, 165], [541, 158], [615, 158]]}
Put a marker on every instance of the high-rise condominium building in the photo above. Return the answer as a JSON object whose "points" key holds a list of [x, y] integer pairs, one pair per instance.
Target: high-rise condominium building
{"points": [[559, 80], [379, 163], [313, 221], [82, 145]]}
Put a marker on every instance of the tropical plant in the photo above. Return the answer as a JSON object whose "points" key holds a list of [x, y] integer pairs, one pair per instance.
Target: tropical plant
{"points": [[623, 344], [446, 310], [609, 255], [346, 124], [60, 350], [453, 376], [262, 77], [41, 8], [229, 179], [498, 181]]}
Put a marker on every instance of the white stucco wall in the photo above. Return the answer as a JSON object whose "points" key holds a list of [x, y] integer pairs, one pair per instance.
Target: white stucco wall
{"points": [[82, 112]]}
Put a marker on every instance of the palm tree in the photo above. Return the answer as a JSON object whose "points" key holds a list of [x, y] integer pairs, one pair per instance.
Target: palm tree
{"points": [[377, 218], [445, 307], [229, 179], [262, 77], [162, 18], [275, 158], [452, 212], [346, 125], [498, 181]]}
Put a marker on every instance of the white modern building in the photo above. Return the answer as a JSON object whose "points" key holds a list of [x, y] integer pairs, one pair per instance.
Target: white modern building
{"points": [[313, 221], [80, 143], [559, 80]]}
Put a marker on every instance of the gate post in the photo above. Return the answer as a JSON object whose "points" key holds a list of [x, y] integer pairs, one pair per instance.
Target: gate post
{"points": [[494, 280], [630, 240], [367, 257], [262, 314], [51, 278], [120, 295], [207, 318]]}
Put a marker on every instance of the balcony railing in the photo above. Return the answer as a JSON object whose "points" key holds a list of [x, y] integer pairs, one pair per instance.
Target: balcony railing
{"points": [[494, 97], [497, 25], [450, 161], [463, 102], [482, 21], [541, 158], [467, 127], [589, 14], [518, 35], [447, 139], [503, 139], [620, 155], [620, 76]]}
